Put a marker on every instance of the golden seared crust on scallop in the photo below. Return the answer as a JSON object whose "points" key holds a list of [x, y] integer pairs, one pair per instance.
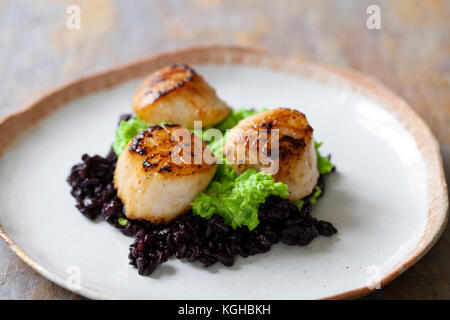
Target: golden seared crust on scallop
{"points": [[278, 142], [177, 94], [160, 173]]}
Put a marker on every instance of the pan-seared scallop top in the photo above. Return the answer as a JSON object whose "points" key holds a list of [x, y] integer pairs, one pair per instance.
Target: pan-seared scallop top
{"points": [[159, 173], [177, 94], [278, 142]]}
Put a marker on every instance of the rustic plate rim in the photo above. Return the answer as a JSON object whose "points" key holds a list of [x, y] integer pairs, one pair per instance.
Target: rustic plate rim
{"points": [[12, 125]]}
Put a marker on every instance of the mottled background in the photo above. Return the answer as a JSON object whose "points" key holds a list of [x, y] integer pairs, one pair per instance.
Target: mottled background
{"points": [[410, 54]]}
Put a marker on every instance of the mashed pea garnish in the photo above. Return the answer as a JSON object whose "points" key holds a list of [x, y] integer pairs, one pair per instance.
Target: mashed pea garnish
{"points": [[127, 130], [237, 198]]}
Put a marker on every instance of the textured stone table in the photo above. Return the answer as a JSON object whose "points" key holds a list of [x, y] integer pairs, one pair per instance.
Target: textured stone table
{"points": [[410, 54]]}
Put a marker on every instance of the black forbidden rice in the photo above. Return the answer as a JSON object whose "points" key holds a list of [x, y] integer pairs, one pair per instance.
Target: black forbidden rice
{"points": [[190, 237]]}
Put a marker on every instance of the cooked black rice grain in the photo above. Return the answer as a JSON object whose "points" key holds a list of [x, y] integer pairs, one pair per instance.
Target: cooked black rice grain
{"points": [[190, 237], [125, 117], [91, 183]]}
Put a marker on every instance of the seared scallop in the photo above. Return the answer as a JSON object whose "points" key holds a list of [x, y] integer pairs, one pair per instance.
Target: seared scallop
{"points": [[177, 94], [278, 142], [161, 171]]}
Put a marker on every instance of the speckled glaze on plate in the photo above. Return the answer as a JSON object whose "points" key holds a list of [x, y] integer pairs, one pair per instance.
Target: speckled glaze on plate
{"points": [[388, 198]]}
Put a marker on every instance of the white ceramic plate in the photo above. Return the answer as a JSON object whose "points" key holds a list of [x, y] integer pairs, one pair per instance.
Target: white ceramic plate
{"points": [[388, 198]]}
